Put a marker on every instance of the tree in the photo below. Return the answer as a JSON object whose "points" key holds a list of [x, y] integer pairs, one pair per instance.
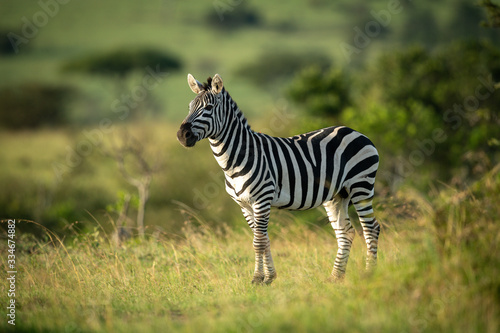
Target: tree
{"points": [[32, 105], [136, 170], [123, 61]]}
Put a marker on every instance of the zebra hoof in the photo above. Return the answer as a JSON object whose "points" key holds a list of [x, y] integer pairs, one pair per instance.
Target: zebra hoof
{"points": [[336, 278], [371, 263], [257, 280], [269, 279]]}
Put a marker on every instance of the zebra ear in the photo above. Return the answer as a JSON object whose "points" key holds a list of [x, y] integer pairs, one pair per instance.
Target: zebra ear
{"points": [[217, 84], [194, 84]]}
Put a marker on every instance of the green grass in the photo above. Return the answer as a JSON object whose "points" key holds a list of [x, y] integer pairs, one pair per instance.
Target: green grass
{"points": [[438, 271]]}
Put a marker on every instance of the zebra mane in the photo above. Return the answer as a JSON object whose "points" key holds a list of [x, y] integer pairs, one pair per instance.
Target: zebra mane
{"points": [[208, 85]]}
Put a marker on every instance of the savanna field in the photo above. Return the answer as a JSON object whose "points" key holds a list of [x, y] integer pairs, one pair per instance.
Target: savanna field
{"points": [[438, 272], [91, 98]]}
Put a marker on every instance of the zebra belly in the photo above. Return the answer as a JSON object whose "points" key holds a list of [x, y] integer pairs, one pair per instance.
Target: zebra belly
{"points": [[303, 197]]}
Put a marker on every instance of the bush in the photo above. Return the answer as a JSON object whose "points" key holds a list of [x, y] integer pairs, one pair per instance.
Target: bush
{"points": [[123, 61], [225, 16], [433, 114], [32, 105], [321, 93], [6, 47], [446, 87], [436, 79], [273, 65]]}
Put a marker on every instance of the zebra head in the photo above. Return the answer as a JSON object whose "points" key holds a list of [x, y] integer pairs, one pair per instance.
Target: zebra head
{"points": [[205, 111]]}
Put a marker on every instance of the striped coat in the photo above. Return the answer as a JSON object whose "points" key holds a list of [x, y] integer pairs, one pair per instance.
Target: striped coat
{"points": [[333, 167]]}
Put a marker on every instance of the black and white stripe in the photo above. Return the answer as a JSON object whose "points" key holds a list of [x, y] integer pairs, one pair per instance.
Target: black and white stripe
{"points": [[333, 167]]}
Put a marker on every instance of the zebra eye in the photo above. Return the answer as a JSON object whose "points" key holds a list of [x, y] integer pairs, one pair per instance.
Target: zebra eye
{"points": [[208, 107]]}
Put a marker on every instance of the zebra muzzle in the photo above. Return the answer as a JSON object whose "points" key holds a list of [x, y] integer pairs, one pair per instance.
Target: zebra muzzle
{"points": [[186, 136]]}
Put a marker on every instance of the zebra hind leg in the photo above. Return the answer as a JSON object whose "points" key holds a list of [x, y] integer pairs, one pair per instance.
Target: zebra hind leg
{"points": [[262, 213], [371, 228], [344, 231]]}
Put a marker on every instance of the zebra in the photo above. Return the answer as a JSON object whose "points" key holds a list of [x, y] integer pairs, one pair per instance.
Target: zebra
{"points": [[333, 167]]}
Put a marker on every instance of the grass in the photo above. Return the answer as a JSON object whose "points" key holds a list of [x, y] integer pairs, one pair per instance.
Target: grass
{"points": [[438, 271]]}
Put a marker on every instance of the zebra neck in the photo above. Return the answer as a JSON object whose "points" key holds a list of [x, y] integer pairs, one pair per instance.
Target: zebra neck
{"points": [[236, 139]]}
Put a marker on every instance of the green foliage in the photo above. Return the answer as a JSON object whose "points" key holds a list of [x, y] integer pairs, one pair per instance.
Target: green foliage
{"points": [[438, 79], [321, 93], [493, 11], [123, 61], [407, 124], [32, 105], [271, 66], [439, 92], [122, 198]]}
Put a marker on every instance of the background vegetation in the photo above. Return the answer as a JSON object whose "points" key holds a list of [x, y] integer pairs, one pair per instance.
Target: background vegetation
{"points": [[78, 84]]}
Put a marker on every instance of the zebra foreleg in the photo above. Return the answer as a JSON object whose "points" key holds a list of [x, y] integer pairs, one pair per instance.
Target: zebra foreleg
{"points": [[260, 241], [344, 231], [264, 265], [258, 275]]}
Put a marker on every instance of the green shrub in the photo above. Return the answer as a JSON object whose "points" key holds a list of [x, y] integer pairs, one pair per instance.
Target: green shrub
{"points": [[123, 61], [437, 79], [33, 105], [227, 16], [456, 96], [321, 93]]}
